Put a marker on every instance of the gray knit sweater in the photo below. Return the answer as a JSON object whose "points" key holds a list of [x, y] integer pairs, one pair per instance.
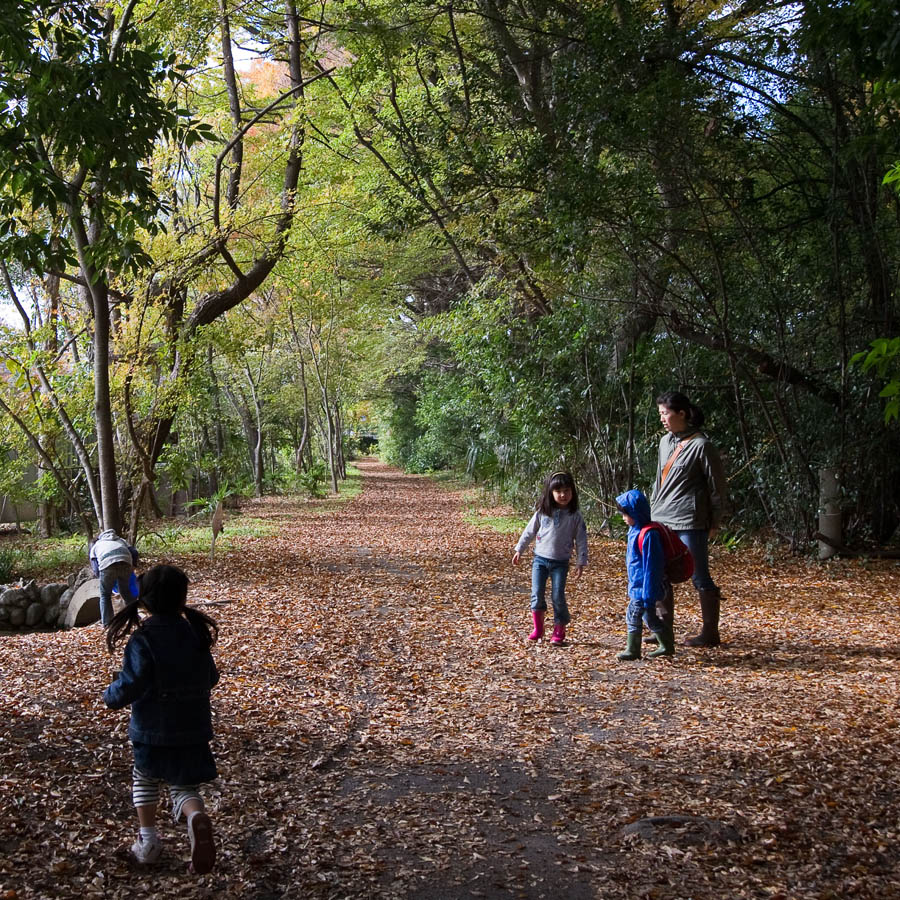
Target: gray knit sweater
{"points": [[555, 536], [108, 549]]}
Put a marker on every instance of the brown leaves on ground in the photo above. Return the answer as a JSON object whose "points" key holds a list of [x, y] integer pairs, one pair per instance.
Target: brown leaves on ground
{"points": [[383, 729]]}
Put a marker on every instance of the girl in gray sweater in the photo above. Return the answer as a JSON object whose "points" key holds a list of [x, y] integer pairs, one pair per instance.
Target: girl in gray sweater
{"points": [[556, 525]]}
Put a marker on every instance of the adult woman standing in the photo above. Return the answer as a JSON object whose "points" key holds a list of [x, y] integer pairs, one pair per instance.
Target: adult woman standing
{"points": [[689, 496]]}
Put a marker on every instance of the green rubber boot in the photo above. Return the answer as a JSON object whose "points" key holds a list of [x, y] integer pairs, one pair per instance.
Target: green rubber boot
{"points": [[666, 637], [632, 647]]}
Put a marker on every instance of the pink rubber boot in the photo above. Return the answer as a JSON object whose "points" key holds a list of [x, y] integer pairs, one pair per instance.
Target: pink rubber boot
{"points": [[538, 616], [559, 634]]}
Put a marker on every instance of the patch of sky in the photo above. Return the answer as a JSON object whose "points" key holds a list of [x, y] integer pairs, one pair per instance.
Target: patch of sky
{"points": [[755, 61]]}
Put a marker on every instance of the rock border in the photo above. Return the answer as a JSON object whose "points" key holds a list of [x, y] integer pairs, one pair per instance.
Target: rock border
{"points": [[68, 604]]}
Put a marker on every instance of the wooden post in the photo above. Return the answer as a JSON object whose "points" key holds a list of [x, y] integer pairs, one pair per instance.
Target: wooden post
{"points": [[829, 510]]}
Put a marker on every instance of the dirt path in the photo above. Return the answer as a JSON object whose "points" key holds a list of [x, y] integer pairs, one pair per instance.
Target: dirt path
{"points": [[385, 730]]}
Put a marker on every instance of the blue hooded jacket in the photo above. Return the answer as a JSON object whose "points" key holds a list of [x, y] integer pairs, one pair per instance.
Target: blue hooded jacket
{"points": [[646, 569]]}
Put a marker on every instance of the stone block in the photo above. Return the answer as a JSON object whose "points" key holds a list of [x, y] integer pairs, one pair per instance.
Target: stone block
{"points": [[50, 593], [14, 598], [84, 607]]}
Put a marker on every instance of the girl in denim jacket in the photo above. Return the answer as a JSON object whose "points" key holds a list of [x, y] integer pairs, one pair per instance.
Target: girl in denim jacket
{"points": [[557, 525], [166, 677]]}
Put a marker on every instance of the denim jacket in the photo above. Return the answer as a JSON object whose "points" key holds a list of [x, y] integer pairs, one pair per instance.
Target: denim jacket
{"points": [[166, 676]]}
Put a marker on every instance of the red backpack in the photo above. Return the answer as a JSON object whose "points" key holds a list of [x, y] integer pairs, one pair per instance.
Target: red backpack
{"points": [[679, 563]]}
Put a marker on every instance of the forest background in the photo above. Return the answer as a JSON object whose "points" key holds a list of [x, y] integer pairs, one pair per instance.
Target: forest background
{"points": [[236, 237]]}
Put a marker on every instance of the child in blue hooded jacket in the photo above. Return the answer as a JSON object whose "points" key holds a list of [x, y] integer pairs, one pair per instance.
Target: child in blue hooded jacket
{"points": [[646, 579]]}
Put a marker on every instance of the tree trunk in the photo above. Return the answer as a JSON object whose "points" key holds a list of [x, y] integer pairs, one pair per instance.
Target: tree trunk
{"points": [[219, 431], [829, 511], [98, 294], [257, 449], [48, 514], [258, 457], [329, 442]]}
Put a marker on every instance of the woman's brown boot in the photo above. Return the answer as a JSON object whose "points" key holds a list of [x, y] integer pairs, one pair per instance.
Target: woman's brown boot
{"points": [[710, 605]]}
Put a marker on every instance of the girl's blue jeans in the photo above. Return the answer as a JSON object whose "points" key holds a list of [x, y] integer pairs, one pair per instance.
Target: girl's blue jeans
{"points": [[557, 570], [697, 541]]}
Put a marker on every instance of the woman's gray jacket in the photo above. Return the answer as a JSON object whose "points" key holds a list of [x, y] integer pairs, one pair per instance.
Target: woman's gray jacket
{"points": [[694, 493]]}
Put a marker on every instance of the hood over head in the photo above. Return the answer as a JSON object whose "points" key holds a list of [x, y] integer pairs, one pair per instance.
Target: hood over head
{"points": [[108, 535], [636, 505]]}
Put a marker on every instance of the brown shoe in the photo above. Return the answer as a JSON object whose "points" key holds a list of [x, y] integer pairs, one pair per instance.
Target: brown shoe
{"points": [[710, 606], [203, 849]]}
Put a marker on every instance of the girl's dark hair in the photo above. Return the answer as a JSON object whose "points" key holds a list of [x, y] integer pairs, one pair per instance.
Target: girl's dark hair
{"points": [[554, 482], [162, 591], [679, 403]]}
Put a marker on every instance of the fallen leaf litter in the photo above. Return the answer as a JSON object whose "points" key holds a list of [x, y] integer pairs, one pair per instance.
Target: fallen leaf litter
{"points": [[383, 728]]}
